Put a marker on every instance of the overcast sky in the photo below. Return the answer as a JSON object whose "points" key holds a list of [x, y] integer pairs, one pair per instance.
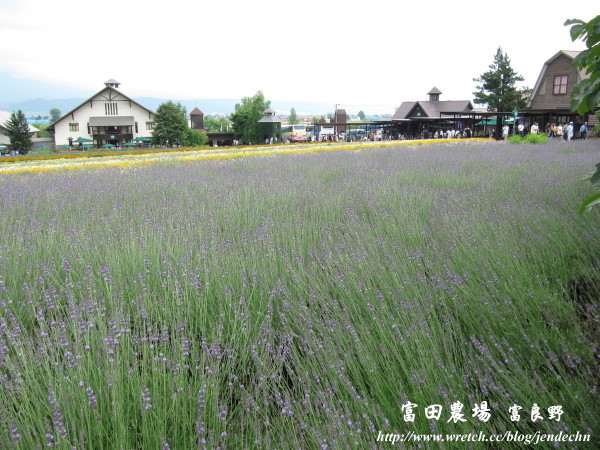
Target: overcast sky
{"points": [[378, 52]]}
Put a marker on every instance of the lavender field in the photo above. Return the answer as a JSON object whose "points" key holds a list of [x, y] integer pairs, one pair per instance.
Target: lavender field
{"points": [[298, 301]]}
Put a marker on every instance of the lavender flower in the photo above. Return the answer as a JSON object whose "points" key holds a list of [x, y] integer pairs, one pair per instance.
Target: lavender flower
{"points": [[146, 399]]}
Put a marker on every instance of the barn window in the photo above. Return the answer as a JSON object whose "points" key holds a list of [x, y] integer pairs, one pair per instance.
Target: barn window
{"points": [[560, 84]]}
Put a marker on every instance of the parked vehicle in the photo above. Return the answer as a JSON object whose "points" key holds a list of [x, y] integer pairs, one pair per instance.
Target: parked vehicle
{"points": [[293, 133], [355, 135], [298, 138]]}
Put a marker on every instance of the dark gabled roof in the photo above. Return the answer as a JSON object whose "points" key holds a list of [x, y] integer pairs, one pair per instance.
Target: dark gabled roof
{"points": [[270, 117], [434, 90], [196, 112], [454, 105], [403, 110], [105, 88], [431, 109]]}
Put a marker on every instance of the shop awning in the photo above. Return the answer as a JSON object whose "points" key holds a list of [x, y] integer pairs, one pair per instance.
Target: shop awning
{"points": [[111, 121], [493, 122]]}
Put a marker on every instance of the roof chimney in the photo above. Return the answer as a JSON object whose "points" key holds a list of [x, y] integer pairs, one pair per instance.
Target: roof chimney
{"points": [[112, 83], [434, 94]]}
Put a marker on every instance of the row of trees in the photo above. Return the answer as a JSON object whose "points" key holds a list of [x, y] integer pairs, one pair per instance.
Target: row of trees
{"points": [[497, 89], [171, 124]]}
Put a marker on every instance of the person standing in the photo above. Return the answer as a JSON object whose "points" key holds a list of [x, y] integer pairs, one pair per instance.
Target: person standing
{"points": [[505, 132], [570, 131], [583, 131], [521, 129], [535, 129]]}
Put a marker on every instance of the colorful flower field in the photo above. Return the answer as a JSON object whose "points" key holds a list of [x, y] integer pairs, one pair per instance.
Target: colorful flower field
{"points": [[310, 299], [20, 164]]}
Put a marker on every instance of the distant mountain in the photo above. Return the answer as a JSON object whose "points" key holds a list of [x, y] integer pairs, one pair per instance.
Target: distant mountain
{"points": [[14, 89], [41, 106]]}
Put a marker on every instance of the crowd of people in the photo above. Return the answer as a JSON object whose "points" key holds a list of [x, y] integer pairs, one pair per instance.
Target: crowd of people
{"points": [[565, 131], [553, 130]]}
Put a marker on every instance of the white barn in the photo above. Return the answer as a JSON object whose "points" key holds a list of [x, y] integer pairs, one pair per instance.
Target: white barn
{"points": [[108, 117]]}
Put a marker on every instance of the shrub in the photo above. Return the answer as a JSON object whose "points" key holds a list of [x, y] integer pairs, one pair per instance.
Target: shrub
{"points": [[536, 139], [515, 139], [195, 138]]}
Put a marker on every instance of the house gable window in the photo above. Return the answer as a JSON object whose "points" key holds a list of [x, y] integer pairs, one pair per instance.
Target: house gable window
{"points": [[74, 126], [560, 84], [149, 125], [111, 109]]}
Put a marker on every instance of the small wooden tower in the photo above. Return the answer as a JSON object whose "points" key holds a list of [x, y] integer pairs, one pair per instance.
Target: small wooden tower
{"points": [[270, 117], [270, 126], [340, 116], [197, 119], [112, 83], [434, 95]]}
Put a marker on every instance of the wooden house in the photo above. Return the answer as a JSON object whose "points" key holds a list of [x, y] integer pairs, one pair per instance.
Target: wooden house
{"points": [[550, 99]]}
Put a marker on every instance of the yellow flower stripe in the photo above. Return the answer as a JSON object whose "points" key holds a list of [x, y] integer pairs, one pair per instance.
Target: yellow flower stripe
{"points": [[127, 159], [125, 152]]}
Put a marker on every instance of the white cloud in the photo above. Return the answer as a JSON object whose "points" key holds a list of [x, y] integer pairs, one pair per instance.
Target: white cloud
{"points": [[348, 52]]}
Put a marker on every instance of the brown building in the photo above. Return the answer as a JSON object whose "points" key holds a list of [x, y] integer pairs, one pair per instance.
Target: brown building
{"points": [[197, 119], [430, 108], [339, 117], [414, 117], [550, 99]]}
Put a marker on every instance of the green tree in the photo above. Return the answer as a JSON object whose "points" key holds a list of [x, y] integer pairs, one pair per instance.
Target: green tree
{"points": [[195, 138], [216, 124], [211, 124], [246, 116], [17, 130], [293, 119], [361, 116], [498, 88], [585, 97], [171, 124], [54, 114]]}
